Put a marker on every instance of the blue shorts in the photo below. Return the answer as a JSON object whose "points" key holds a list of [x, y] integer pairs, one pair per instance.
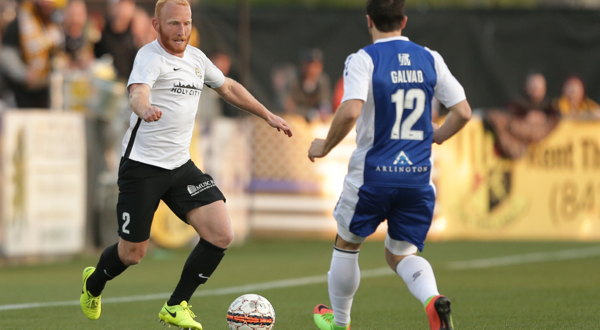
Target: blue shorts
{"points": [[409, 211]]}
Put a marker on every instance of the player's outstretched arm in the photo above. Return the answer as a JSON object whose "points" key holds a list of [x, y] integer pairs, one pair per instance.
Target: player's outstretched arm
{"points": [[140, 103], [234, 93], [343, 121], [458, 117]]}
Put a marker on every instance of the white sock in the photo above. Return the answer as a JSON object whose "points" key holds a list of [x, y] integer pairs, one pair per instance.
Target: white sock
{"points": [[343, 279], [418, 276]]}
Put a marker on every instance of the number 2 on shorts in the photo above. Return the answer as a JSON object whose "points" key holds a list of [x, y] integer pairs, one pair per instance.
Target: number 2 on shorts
{"points": [[126, 218]]}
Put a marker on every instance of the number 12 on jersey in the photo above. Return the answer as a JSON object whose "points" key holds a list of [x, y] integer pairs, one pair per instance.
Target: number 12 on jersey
{"points": [[403, 130]]}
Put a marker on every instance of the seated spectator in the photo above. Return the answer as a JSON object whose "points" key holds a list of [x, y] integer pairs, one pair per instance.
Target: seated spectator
{"points": [[310, 94], [211, 105], [78, 46], [529, 119], [574, 103], [29, 43], [117, 38], [141, 28]]}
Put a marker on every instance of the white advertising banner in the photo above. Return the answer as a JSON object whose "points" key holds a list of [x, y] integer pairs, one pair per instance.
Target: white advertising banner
{"points": [[43, 183]]}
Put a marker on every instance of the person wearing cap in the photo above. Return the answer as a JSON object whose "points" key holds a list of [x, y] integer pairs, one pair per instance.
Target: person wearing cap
{"points": [[28, 45], [310, 94]]}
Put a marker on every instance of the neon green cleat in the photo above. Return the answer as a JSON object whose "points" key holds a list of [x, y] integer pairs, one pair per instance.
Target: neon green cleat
{"points": [[323, 316], [89, 304], [180, 316]]}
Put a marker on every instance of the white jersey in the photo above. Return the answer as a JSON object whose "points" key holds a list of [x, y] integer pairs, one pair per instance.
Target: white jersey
{"points": [[176, 84]]}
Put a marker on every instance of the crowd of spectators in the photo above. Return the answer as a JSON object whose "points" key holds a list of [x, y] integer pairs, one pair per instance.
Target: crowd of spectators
{"points": [[39, 36], [532, 116]]}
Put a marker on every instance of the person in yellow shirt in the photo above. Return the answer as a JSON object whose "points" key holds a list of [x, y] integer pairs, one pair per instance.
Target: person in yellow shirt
{"points": [[574, 103]]}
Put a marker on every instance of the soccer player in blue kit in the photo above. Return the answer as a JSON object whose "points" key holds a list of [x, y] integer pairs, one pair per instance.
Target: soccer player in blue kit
{"points": [[388, 90]]}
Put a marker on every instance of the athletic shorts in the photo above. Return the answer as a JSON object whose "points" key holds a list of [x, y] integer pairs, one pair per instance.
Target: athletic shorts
{"points": [[408, 211], [142, 186]]}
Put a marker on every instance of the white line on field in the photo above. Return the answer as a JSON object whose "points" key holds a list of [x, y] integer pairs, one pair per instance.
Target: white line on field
{"points": [[371, 273], [526, 258]]}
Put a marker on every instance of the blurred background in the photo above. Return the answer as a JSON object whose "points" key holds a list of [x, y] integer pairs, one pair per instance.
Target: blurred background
{"points": [[527, 167], [517, 218]]}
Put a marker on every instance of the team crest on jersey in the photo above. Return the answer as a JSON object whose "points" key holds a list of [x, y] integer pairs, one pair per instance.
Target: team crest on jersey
{"points": [[198, 74], [404, 59], [402, 159]]}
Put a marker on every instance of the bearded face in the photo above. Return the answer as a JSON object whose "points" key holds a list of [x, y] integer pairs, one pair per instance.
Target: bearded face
{"points": [[174, 27], [174, 43]]}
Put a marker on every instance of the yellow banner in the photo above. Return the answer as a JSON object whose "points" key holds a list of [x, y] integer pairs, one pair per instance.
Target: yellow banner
{"points": [[553, 192]]}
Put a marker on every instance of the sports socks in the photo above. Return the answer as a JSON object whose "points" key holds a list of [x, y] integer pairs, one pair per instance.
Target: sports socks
{"points": [[418, 276], [200, 265], [343, 280], [109, 266]]}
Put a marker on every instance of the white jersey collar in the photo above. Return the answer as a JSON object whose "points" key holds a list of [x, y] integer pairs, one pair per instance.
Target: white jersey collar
{"points": [[391, 39], [164, 51]]}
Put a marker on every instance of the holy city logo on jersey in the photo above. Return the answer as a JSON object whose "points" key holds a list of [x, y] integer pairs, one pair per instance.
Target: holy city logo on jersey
{"points": [[191, 89], [195, 190], [405, 165], [404, 59], [198, 74]]}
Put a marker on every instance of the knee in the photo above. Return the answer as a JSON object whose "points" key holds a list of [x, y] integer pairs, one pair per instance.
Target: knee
{"points": [[393, 260], [223, 239], [133, 256]]}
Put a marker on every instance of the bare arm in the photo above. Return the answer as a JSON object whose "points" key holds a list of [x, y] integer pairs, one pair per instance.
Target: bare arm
{"points": [[457, 118], [234, 93], [343, 121], [140, 103]]}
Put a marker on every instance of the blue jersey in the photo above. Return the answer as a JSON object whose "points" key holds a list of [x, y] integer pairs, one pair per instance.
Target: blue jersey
{"points": [[398, 80]]}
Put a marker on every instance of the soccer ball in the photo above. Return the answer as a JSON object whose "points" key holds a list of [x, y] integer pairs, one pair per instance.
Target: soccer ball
{"points": [[251, 312]]}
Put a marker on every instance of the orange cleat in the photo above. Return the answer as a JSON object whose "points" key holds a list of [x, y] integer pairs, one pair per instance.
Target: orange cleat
{"points": [[438, 312]]}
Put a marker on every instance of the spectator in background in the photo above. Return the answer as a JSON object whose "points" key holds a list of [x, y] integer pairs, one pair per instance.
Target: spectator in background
{"points": [[534, 115], [338, 94], [78, 39], [574, 103], [310, 94], [141, 28], [8, 12], [529, 119], [117, 38], [28, 45], [211, 105]]}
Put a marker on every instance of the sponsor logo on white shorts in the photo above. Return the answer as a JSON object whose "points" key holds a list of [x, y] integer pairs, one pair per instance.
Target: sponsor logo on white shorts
{"points": [[195, 190]]}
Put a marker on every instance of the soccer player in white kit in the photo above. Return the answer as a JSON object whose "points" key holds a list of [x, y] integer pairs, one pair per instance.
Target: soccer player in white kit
{"points": [[388, 90], [164, 90]]}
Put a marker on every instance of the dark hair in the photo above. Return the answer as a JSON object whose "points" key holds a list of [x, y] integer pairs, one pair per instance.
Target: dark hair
{"points": [[386, 14]]}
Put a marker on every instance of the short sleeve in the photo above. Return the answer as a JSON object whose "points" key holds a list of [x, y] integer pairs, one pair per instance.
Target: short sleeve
{"points": [[447, 90], [357, 76], [146, 68], [213, 77]]}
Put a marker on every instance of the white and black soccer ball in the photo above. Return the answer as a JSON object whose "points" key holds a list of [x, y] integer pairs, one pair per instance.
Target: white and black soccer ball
{"points": [[251, 312]]}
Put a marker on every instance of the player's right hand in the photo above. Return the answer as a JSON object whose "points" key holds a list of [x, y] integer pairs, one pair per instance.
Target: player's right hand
{"points": [[152, 114]]}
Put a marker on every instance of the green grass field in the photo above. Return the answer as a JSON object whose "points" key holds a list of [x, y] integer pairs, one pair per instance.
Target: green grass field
{"points": [[531, 295]]}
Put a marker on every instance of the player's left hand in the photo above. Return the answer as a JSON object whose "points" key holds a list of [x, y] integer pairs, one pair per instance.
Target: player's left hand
{"points": [[317, 150], [280, 124]]}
